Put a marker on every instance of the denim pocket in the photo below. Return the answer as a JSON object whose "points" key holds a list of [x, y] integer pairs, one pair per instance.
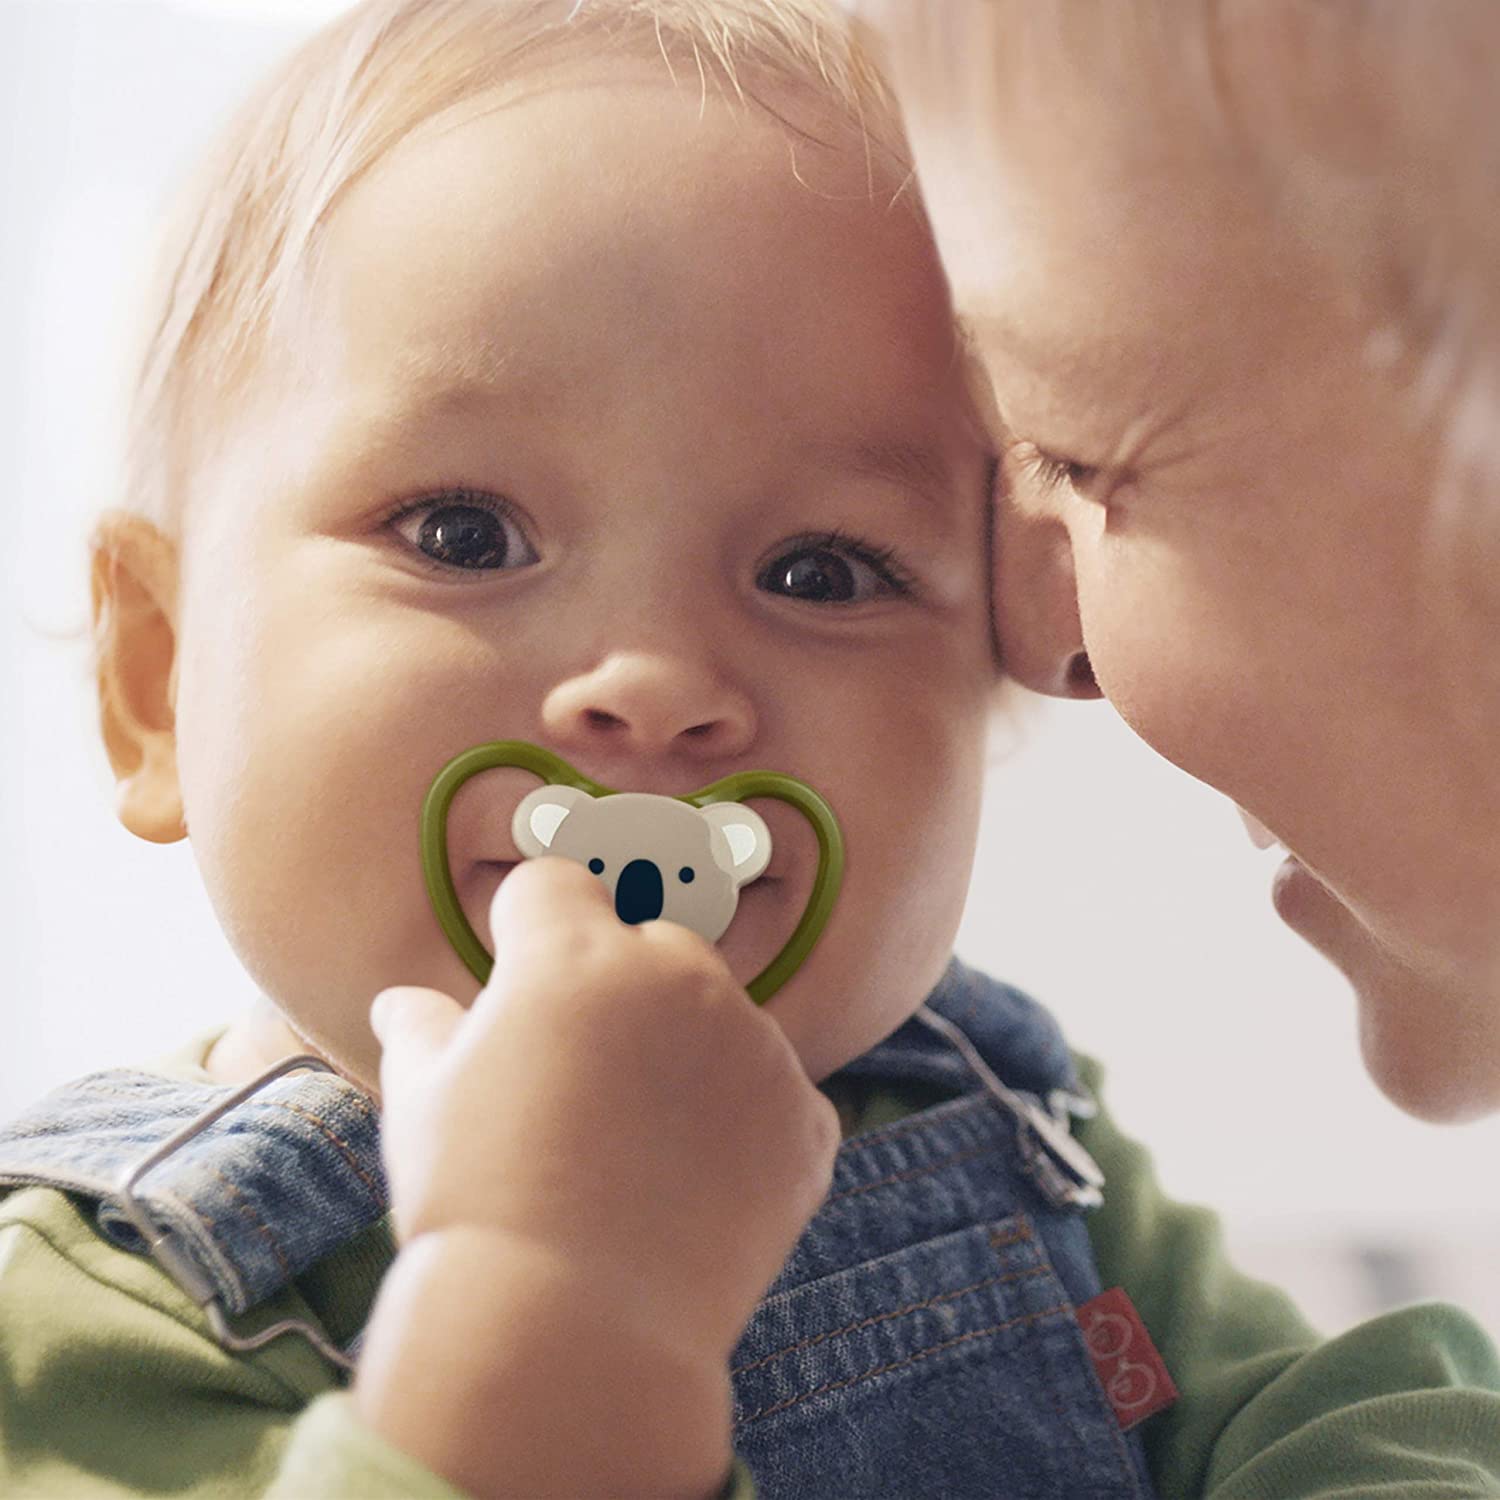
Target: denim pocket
{"points": [[952, 1367]]}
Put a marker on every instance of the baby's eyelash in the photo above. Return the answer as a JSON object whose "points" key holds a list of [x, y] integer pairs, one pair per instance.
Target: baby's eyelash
{"points": [[446, 494], [456, 495], [882, 559]]}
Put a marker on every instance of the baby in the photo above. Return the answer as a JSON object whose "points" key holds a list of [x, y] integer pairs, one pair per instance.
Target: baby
{"points": [[584, 374]]}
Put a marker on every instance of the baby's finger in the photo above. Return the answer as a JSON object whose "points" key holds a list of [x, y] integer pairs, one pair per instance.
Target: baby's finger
{"points": [[414, 1027], [542, 901]]}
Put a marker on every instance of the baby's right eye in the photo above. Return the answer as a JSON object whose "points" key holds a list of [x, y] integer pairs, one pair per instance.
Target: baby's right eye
{"points": [[465, 530]]}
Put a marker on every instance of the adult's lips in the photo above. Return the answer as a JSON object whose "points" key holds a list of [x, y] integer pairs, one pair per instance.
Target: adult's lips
{"points": [[1260, 835]]}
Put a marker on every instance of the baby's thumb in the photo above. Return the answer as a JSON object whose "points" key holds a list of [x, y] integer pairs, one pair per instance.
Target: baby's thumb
{"points": [[414, 1027]]}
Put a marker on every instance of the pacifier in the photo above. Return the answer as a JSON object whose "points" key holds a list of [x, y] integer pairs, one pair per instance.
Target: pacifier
{"points": [[683, 859]]}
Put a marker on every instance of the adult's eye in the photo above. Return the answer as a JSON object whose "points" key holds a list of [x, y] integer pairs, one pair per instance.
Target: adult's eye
{"points": [[833, 570], [470, 532], [1052, 471]]}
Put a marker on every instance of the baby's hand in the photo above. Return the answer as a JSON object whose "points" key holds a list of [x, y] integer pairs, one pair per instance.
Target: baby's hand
{"points": [[612, 1098]]}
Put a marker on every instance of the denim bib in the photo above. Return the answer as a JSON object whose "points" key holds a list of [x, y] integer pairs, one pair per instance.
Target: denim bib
{"points": [[921, 1340]]}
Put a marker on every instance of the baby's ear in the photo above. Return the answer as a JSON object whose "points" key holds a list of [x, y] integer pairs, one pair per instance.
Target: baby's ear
{"points": [[541, 814], [744, 835], [133, 588]]}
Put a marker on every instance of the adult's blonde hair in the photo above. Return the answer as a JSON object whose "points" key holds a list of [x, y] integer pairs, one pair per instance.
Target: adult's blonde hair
{"points": [[248, 226], [1368, 125]]}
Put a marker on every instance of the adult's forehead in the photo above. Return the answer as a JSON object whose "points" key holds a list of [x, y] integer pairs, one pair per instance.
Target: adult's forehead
{"points": [[1096, 291]]}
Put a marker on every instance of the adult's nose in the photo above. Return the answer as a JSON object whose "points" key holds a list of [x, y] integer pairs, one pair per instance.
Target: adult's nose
{"points": [[1034, 603], [645, 704]]}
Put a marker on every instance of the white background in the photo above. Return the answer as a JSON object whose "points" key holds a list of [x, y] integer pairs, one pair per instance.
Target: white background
{"points": [[1123, 894]]}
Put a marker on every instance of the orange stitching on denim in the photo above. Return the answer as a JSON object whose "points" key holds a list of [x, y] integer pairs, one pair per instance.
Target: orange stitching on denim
{"points": [[362, 1102], [914, 1172], [212, 1225], [244, 1206], [911, 1359], [1027, 1231], [345, 1150], [1021, 1233], [884, 1317], [1121, 1450]]}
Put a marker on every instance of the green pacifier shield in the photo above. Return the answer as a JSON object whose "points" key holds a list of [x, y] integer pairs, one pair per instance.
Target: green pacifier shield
{"points": [[557, 772]]}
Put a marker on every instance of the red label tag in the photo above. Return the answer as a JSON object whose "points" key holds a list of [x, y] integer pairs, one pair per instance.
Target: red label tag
{"points": [[1125, 1359]]}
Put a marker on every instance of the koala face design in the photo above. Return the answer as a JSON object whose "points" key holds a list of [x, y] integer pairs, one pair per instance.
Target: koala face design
{"points": [[658, 856]]}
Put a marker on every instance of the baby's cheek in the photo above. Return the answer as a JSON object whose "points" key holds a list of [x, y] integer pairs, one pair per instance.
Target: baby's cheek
{"points": [[302, 809], [920, 822]]}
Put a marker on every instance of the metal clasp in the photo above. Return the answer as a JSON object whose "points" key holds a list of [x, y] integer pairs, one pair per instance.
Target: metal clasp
{"points": [[1064, 1171], [182, 1270]]}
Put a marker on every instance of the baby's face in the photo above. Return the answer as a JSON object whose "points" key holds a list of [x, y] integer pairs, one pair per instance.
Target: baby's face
{"points": [[635, 427]]}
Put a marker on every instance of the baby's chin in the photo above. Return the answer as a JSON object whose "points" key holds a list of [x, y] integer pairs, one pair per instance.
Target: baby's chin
{"points": [[849, 993], [836, 1012]]}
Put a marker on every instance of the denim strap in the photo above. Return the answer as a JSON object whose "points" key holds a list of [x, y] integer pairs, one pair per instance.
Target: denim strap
{"points": [[251, 1202]]}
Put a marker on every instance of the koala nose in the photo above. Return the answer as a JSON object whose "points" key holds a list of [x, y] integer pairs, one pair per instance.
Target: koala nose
{"points": [[638, 893]]}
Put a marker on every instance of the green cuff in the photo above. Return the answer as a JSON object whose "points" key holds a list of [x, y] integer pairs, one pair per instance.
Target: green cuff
{"points": [[738, 1485]]}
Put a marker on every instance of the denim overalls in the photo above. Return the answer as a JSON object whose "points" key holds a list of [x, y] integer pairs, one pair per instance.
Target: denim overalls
{"points": [[921, 1340]]}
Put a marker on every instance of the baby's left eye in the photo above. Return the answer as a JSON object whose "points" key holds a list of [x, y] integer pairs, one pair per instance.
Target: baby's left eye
{"points": [[465, 530], [833, 569]]}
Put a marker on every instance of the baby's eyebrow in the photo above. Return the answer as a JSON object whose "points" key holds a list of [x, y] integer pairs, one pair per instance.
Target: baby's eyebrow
{"points": [[452, 375], [912, 466], [456, 375]]}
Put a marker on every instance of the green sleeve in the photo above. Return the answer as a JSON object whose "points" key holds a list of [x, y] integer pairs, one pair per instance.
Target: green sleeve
{"points": [[110, 1385], [1406, 1405], [330, 1453]]}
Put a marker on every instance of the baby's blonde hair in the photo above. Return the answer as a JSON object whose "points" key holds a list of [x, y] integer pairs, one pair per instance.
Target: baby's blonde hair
{"points": [[250, 223]]}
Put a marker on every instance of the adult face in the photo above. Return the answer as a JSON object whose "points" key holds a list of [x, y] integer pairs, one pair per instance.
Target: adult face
{"points": [[1222, 474]]}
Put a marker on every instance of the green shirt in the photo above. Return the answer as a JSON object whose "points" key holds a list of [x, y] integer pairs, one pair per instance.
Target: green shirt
{"points": [[112, 1385]]}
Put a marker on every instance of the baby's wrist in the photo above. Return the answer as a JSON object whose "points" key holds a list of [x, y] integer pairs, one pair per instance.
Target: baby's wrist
{"points": [[474, 1322], [501, 1272], [616, 1284]]}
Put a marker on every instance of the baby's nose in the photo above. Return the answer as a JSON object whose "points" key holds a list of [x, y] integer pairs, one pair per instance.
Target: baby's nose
{"points": [[645, 704]]}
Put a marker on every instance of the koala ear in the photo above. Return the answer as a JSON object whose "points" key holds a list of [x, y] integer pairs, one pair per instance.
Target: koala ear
{"points": [[541, 814], [742, 847]]}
